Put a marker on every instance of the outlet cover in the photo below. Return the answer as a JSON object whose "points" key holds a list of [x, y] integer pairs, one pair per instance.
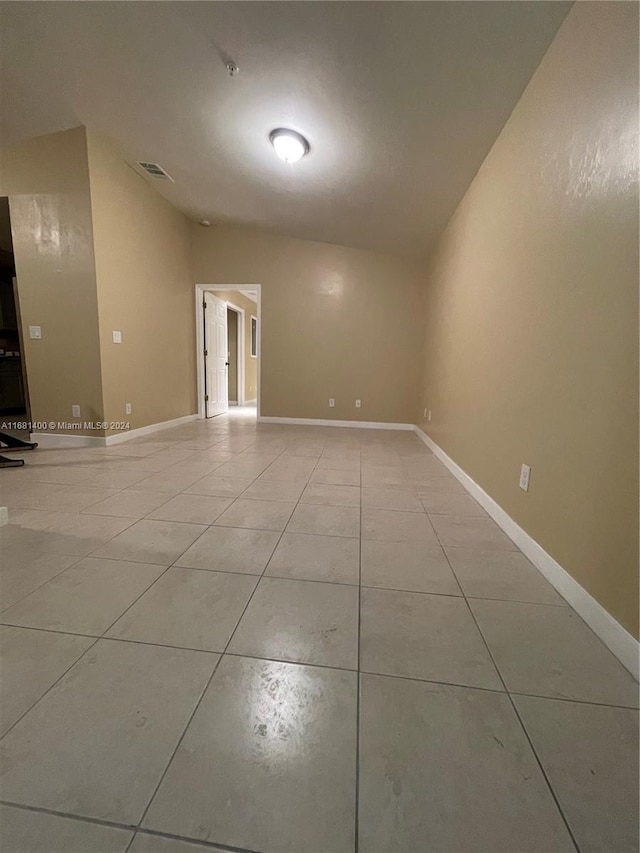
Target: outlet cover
{"points": [[358, 404], [127, 408], [332, 402], [75, 412], [117, 337], [525, 475], [35, 332]]}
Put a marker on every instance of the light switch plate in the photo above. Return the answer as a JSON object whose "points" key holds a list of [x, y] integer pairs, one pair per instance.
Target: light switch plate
{"points": [[117, 337], [35, 332]]}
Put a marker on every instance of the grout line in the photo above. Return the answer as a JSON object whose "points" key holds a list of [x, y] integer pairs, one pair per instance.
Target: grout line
{"points": [[71, 815], [324, 666], [210, 845], [123, 826], [198, 703], [179, 742], [62, 571], [292, 662], [88, 649], [515, 710], [40, 698], [284, 530], [159, 645], [90, 636], [633, 708], [51, 630], [307, 580], [418, 680], [50, 688], [452, 595]]}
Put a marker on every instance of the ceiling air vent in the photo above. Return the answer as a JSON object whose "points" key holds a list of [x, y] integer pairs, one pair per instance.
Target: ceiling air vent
{"points": [[156, 171]]}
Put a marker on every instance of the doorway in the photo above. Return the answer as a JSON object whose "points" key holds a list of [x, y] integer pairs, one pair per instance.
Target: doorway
{"points": [[234, 356], [228, 342]]}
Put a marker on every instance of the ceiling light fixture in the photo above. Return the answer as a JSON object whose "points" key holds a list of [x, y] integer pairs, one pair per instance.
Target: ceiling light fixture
{"points": [[289, 145]]}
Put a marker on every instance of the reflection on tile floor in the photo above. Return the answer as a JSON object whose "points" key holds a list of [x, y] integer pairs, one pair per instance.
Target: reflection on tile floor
{"points": [[293, 639]]}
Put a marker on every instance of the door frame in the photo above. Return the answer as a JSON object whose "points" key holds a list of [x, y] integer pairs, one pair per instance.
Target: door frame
{"points": [[200, 290]]}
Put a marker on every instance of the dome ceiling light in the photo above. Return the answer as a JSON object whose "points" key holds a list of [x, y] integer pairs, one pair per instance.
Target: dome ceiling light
{"points": [[289, 145]]}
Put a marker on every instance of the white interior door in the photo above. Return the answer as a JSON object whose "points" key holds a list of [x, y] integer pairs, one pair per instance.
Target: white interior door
{"points": [[215, 327]]}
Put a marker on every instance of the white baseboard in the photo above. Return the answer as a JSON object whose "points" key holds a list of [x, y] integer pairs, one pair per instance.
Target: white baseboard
{"points": [[54, 441], [250, 402], [322, 422], [49, 441], [623, 645], [120, 437]]}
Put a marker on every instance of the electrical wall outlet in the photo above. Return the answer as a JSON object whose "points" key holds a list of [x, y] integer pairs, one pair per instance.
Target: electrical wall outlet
{"points": [[525, 475], [35, 332], [117, 337], [332, 402], [429, 415], [128, 408], [75, 412], [358, 404]]}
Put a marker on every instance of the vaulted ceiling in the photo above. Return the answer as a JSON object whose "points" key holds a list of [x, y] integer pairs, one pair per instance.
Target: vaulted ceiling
{"points": [[401, 102]]}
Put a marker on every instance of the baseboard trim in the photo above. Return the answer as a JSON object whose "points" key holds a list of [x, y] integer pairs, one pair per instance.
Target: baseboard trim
{"points": [[56, 441], [50, 441], [121, 437], [623, 645], [322, 422]]}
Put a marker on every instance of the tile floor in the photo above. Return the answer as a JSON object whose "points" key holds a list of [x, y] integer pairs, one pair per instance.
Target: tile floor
{"points": [[293, 640]]}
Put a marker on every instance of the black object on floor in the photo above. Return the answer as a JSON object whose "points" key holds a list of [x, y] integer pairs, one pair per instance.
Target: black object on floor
{"points": [[9, 442], [10, 463]]}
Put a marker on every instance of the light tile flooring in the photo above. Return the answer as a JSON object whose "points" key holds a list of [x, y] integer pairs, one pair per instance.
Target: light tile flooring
{"points": [[277, 638]]}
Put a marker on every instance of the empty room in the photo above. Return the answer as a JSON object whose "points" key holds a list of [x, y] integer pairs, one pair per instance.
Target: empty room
{"points": [[319, 435]]}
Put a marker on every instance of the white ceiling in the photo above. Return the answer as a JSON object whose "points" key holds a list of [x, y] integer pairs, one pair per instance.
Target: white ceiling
{"points": [[401, 101]]}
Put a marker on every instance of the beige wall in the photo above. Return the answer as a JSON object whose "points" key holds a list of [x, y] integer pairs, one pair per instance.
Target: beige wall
{"points": [[531, 335], [250, 364], [336, 322], [145, 291], [47, 181]]}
